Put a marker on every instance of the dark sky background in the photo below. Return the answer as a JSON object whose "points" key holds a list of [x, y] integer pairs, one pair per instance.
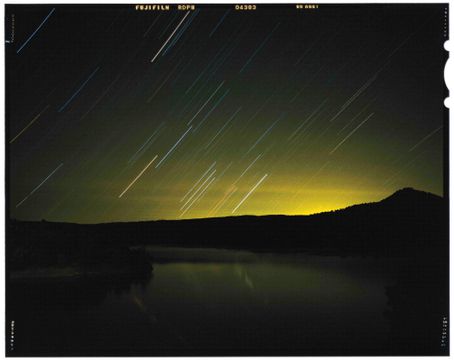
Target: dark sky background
{"points": [[115, 114]]}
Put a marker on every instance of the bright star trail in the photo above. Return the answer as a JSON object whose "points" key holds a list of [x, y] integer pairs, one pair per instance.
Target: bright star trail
{"points": [[28, 125], [34, 33], [200, 195], [170, 37], [137, 177], [249, 193], [350, 134], [200, 179], [77, 91], [425, 138], [338, 105], [198, 189], [37, 187], [247, 169], [173, 147]]}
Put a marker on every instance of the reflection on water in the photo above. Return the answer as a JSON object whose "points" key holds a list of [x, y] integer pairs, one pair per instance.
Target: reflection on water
{"points": [[202, 301]]}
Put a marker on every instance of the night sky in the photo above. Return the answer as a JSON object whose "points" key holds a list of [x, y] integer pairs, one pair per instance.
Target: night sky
{"points": [[117, 114]]}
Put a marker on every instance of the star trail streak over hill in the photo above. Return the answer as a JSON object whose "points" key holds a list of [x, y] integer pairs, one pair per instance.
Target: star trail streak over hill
{"points": [[115, 114]]}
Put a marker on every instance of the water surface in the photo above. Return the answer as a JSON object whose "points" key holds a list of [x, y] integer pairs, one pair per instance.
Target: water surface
{"points": [[208, 301]]}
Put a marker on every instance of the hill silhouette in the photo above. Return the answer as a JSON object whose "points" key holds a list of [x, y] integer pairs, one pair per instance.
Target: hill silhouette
{"points": [[407, 222]]}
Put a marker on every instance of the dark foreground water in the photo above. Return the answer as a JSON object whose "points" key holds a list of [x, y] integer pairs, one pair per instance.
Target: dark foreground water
{"points": [[217, 302]]}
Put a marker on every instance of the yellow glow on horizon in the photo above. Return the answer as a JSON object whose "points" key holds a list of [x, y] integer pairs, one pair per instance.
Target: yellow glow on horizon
{"points": [[306, 202]]}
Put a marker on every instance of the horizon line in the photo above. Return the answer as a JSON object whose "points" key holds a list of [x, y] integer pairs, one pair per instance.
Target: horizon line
{"points": [[229, 216]]}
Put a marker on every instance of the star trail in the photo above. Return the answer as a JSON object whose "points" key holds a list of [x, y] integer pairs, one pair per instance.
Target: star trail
{"points": [[168, 114]]}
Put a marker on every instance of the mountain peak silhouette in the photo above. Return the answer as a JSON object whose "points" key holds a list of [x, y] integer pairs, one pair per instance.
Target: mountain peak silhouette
{"points": [[407, 222], [410, 197]]}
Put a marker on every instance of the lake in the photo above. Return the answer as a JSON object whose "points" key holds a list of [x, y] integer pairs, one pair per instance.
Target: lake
{"points": [[220, 302]]}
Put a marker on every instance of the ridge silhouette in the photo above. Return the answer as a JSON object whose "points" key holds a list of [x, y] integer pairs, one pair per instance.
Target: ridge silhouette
{"points": [[407, 222]]}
